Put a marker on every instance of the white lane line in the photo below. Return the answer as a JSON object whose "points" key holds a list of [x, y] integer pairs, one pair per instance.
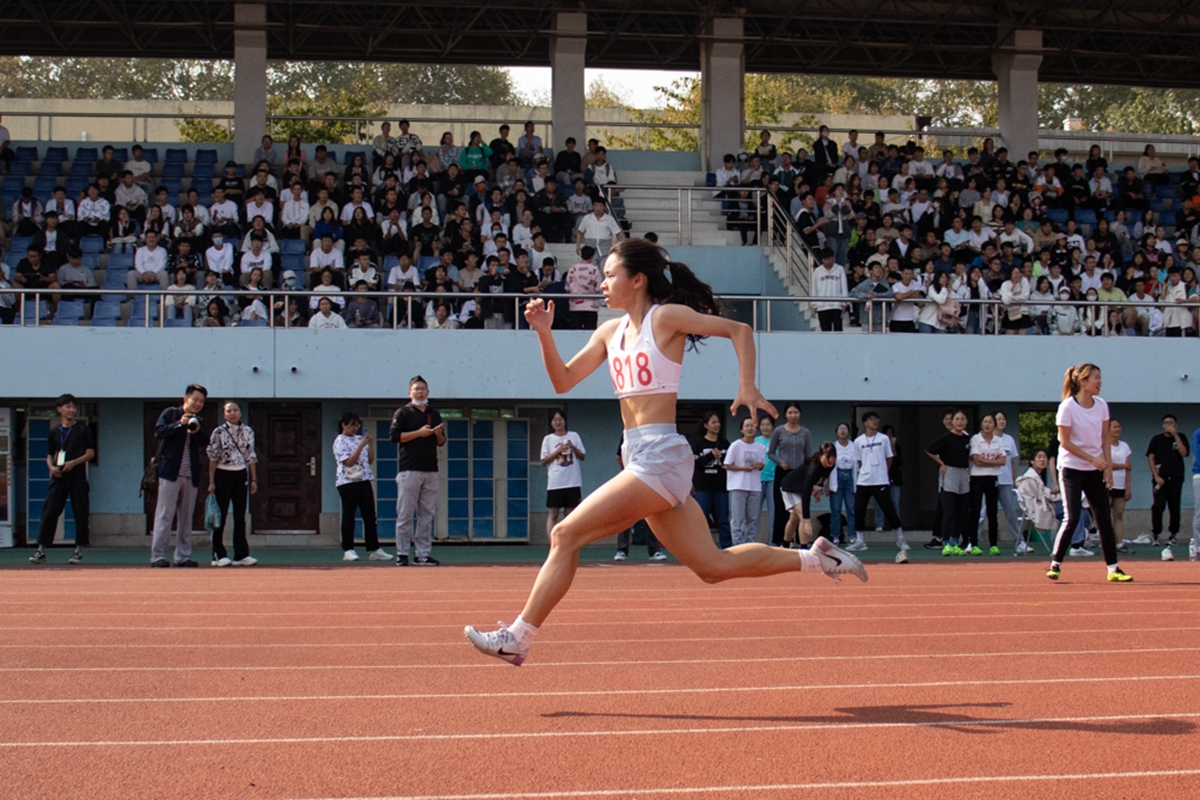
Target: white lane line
{"points": [[794, 787], [455, 737], [632, 640], [596, 693], [480, 664]]}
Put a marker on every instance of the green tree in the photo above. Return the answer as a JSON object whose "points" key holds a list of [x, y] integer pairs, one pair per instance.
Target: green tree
{"points": [[324, 103], [1037, 431], [440, 84], [193, 129], [601, 95]]}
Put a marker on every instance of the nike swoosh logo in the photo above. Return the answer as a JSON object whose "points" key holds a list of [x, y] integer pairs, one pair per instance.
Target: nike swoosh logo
{"points": [[503, 652], [835, 558]]}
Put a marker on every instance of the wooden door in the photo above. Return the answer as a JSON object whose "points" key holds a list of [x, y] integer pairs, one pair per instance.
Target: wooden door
{"points": [[288, 438], [151, 411]]}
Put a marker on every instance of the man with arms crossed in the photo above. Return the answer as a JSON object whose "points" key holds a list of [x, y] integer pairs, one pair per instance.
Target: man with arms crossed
{"points": [[418, 430]]}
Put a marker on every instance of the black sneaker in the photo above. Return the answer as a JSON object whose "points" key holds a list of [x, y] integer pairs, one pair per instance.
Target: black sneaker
{"points": [[186, 563], [38, 557], [425, 561], [76, 558], [1171, 541], [401, 560], [161, 563], [935, 544]]}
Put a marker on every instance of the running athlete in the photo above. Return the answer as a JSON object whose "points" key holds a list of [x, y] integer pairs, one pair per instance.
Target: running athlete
{"points": [[1086, 441], [644, 353]]}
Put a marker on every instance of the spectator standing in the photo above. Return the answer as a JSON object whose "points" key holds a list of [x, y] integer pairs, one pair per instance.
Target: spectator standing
{"points": [[1165, 454], [744, 462], [180, 432], [988, 459], [952, 453], [584, 278], [843, 480], [1122, 488], [1006, 480], [562, 450], [789, 448], [874, 453], [766, 426], [829, 280], [232, 472], [419, 431], [598, 229], [69, 447], [354, 453], [708, 475]]}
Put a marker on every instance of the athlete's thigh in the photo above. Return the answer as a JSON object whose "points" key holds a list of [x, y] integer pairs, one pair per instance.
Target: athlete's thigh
{"points": [[612, 508], [684, 531]]}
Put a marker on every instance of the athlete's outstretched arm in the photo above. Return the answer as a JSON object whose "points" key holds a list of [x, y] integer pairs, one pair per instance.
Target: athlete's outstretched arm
{"points": [[681, 321], [564, 377]]}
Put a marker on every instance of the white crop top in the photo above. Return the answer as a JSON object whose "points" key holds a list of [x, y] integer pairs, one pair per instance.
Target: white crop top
{"points": [[642, 369]]}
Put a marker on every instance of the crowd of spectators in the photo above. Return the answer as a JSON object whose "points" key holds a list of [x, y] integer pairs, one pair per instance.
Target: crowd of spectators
{"points": [[925, 239], [466, 221]]}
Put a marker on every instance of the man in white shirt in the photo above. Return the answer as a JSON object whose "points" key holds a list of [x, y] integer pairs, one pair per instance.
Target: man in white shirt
{"points": [[139, 166], [325, 319], [131, 197], [294, 219], [407, 143], [404, 272], [529, 147], [94, 213], [200, 211], [223, 215], [1100, 188], [979, 235], [874, 453], [1090, 275], [325, 257], [219, 259], [326, 284], [1020, 241], [149, 265], [600, 173], [356, 201], [578, 204], [919, 167], [257, 205], [320, 166], [829, 280], [1177, 316], [957, 237], [257, 257], [598, 229], [383, 144], [949, 170], [905, 311]]}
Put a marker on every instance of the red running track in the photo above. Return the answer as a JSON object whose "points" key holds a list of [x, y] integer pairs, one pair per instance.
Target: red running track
{"points": [[932, 681]]}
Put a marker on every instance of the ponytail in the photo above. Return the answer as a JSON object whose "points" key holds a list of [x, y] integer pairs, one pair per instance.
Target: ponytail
{"points": [[1074, 378], [667, 281]]}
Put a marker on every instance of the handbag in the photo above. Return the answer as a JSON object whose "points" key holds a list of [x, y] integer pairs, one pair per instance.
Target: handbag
{"points": [[149, 483], [355, 473], [212, 513]]}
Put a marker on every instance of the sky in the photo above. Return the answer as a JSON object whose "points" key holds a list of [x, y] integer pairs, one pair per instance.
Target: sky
{"points": [[635, 85]]}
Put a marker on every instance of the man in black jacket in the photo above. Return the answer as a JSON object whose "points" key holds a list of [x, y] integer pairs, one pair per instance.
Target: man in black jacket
{"points": [[419, 432], [180, 430]]}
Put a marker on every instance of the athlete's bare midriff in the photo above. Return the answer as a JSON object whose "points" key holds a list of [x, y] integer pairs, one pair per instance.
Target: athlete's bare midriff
{"points": [[648, 409]]}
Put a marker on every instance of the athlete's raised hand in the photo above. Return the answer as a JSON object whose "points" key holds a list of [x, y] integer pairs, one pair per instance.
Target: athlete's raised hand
{"points": [[539, 314], [751, 398]]}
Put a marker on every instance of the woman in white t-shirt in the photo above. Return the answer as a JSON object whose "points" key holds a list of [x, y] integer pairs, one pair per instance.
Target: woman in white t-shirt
{"points": [[988, 458], [1086, 442], [562, 450], [1122, 474], [744, 461]]}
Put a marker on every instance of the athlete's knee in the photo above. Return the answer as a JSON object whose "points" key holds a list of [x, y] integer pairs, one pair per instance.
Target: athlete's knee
{"points": [[713, 571], [566, 534]]}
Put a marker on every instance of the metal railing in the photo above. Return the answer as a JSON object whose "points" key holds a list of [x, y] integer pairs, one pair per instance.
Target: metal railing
{"points": [[874, 314]]}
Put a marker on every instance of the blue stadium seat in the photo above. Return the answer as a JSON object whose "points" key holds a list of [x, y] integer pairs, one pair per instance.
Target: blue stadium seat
{"points": [[92, 244], [206, 156], [1085, 216], [114, 277], [107, 309], [88, 154], [70, 309], [1058, 215], [177, 322], [43, 188], [175, 155], [56, 154], [292, 247], [710, 179], [81, 169], [1110, 215], [20, 168], [426, 262], [20, 244], [137, 312], [51, 168], [103, 322], [174, 187], [389, 261], [121, 154], [204, 170], [254, 323], [150, 154], [292, 261], [34, 310], [26, 153], [63, 322], [240, 170], [91, 261], [172, 169], [12, 258], [120, 261], [203, 185], [205, 197], [332, 156], [77, 185]]}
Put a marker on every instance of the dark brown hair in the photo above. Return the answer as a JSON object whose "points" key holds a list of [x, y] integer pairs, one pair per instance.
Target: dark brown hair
{"points": [[667, 281]]}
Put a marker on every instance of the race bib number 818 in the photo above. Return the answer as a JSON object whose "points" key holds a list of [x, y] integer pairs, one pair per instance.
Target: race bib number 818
{"points": [[632, 372]]}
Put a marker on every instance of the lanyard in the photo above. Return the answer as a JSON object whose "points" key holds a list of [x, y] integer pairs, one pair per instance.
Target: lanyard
{"points": [[63, 435]]}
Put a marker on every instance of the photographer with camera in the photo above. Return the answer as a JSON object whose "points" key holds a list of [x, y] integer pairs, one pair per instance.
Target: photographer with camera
{"points": [[180, 430]]}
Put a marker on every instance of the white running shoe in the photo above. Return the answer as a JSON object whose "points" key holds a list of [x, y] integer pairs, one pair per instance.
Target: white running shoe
{"points": [[1143, 539], [349, 555], [1080, 551], [620, 556], [836, 561], [661, 555], [1167, 555], [221, 562], [902, 542], [380, 555], [902, 557], [499, 643], [248, 561], [857, 545], [1193, 550]]}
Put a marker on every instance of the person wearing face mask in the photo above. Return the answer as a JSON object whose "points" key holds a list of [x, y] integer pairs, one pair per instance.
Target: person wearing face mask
{"points": [[418, 430], [219, 259]]}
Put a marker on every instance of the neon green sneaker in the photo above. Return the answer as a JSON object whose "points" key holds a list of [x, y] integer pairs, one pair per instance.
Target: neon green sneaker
{"points": [[995, 550], [948, 549], [1117, 576], [1054, 572], [975, 551], [956, 551]]}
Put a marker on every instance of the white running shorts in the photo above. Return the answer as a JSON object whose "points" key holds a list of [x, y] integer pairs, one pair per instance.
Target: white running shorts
{"points": [[662, 459]]}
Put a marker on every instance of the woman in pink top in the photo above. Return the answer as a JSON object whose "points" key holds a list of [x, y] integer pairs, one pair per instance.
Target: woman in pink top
{"points": [[667, 308]]}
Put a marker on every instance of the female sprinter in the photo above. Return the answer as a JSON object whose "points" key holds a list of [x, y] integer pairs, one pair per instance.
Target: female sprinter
{"points": [[644, 354], [1086, 442]]}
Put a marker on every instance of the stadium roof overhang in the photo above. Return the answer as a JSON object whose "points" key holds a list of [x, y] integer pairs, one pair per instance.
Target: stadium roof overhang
{"points": [[1120, 42]]}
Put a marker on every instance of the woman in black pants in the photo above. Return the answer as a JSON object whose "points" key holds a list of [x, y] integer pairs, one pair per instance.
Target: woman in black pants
{"points": [[987, 459], [232, 471], [1086, 441], [354, 454]]}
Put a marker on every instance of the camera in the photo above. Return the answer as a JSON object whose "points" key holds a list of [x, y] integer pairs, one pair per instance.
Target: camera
{"points": [[193, 425]]}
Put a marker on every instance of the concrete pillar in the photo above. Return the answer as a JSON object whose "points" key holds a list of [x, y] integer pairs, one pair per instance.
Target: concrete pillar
{"points": [[568, 47], [1016, 67], [250, 79], [722, 92]]}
